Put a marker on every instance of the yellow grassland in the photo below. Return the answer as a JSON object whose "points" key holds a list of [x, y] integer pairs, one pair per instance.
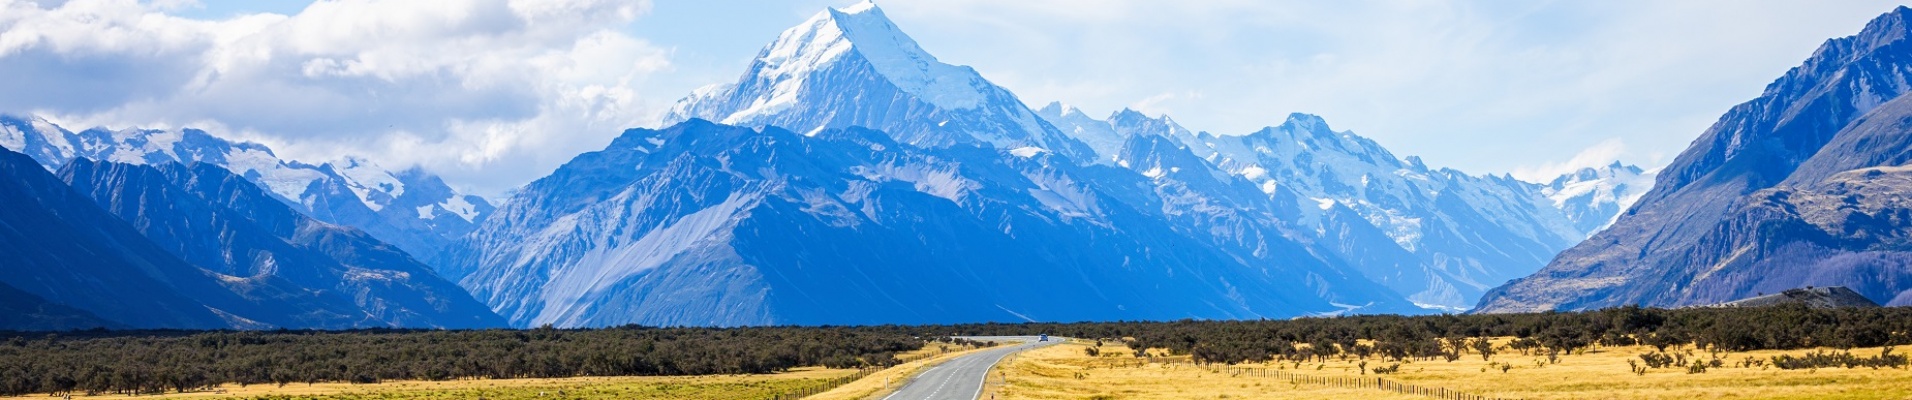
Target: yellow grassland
{"points": [[1067, 372], [712, 387], [639, 388]]}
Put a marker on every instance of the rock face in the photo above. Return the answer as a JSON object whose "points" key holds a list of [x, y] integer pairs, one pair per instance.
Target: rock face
{"points": [[333, 277], [64, 250], [1801, 186], [799, 81], [196, 248], [412, 209], [27, 312], [1815, 297], [1439, 237], [958, 203], [706, 224]]}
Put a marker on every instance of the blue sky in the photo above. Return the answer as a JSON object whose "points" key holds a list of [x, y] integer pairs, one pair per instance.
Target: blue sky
{"points": [[493, 93]]}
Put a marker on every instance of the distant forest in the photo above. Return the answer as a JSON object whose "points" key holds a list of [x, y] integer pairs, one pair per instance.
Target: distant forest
{"points": [[1783, 327], [144, 362], [158, 361]]}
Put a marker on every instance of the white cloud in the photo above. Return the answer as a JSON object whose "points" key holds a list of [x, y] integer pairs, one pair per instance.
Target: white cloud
{"points": [[493, 93], [1600, 155], [1159, 103], [1481, 86], [490, 93]]}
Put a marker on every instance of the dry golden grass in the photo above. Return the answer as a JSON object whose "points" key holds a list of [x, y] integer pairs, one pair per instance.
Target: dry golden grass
{"points": [[1066, 372], [640, 388]]}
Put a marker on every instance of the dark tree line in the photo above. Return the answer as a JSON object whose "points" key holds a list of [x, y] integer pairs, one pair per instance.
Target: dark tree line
{"points": [[155, 362], [158, 361], [1450, 337]]}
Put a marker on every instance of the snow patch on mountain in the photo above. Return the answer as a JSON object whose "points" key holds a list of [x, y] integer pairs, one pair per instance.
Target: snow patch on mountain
{"points": [[464, 207], [944, 181], [1595, 197], [350, 191], [1100, 136], [12, 138], [1483, 229], [1027, 151], [366, 179]]}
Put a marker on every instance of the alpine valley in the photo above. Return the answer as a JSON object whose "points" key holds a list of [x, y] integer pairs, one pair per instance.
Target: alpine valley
{"points": [[848, 166], [1805, 185], [849, 177], [180, 229]]}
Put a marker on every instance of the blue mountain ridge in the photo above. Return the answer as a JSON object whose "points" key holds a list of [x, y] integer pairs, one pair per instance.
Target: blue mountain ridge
{"points": [[1801, 186], [128, 267]]}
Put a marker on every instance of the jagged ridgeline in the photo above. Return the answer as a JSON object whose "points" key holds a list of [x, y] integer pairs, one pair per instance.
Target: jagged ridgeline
{"points": [[178, 246], [850, 177], [1806, 185]]}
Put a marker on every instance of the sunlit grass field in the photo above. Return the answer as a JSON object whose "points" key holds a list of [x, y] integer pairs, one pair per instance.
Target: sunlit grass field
{"points": [[640, 388], [1067, 372], [713, 387]]}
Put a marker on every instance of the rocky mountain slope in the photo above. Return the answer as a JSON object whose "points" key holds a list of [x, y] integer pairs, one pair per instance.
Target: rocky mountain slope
{"points": [[412, 209], [196, 248], [334, 277], [848, 166], [1438, 236], [707, 224], [1815, 297], [27, 312], [1800, 186], [64, 250]]}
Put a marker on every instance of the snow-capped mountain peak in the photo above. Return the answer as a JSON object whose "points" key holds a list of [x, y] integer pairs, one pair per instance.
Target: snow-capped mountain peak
{"points": [[1594, 197], [1437, 237], [852, 66], [1308, 123], [863, 29], [1130, 122], [1590, 174], [894, 54], [413, 209], [374, 186], [1100, 136]]}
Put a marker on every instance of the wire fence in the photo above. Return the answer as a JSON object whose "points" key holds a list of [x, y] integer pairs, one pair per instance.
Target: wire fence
{"points": [[1377, 383], [824, 386]]}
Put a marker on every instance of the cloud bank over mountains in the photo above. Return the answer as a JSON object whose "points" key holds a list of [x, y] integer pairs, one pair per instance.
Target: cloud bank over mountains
{"points": [[472, 88], [493, 93]]}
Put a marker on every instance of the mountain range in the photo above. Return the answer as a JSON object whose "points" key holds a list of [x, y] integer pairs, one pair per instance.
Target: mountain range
{"points": [[1803, 186], [849, 166], [848, 176], [192, 246], [412, 209]]}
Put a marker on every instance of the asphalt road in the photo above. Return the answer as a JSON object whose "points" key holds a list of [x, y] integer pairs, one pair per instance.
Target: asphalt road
{"points": [[962, 378]]}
